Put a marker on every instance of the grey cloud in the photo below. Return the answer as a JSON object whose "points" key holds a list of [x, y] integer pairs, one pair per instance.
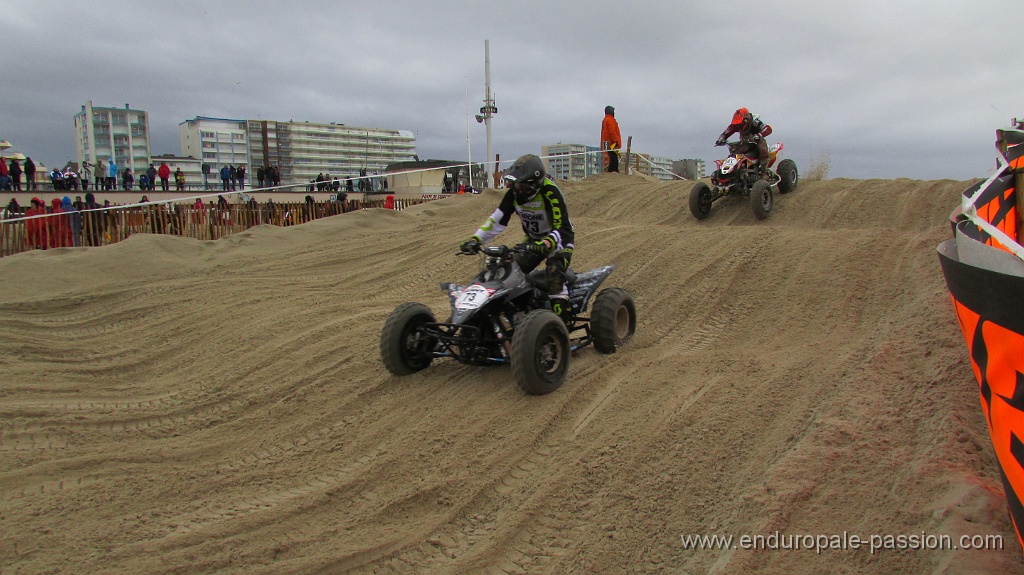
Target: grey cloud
{"points": [[908, 89]]}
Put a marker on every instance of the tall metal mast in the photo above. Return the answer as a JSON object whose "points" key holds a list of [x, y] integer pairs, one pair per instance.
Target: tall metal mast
{"points": [[487, 110], [469, 144]]}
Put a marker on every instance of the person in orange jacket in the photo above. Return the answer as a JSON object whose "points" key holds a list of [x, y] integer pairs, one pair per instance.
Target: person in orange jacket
{"points": [[610, 138]]}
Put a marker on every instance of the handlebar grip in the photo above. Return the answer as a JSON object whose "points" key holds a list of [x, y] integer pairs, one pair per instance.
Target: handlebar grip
{"points": [[470, 248]]}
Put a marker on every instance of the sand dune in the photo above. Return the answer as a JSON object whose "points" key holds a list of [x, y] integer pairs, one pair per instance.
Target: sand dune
{"points": [[172, 406]]}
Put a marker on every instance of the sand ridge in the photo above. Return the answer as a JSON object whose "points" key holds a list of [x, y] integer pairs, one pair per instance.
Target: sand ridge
{"points": [[169, 405]]}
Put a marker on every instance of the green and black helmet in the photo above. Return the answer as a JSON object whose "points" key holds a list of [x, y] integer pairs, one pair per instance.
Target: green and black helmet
{"points": [[525, 177]]}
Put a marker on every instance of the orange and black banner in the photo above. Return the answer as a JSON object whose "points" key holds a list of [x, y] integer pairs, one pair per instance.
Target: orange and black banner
{"points": [[997, 205], [989, 307]]}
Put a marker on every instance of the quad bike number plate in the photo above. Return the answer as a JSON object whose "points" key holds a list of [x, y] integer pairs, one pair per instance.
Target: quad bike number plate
{"points": [[472, 297], [728, 164]]}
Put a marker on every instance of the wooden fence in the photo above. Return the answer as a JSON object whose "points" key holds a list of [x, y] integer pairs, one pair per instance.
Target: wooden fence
{"points": [[112, 224]]}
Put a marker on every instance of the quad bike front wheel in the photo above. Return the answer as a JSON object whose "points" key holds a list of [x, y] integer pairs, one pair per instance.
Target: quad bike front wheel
{"points": [[788, 176], [405, 347], [701, 198], [613, 319], [761, 199], [540, 352]]}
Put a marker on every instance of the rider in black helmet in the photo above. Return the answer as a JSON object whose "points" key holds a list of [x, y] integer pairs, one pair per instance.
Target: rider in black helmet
{"points": [[545, 219]]}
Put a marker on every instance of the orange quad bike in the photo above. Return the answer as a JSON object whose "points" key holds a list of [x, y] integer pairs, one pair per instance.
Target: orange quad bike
{"points": [[740, 175]]}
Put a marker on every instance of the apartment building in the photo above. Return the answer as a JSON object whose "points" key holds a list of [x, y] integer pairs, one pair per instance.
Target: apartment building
{"points": [[571, 162], [215, 141], [302, 150], [689, 169], [190, 167], [654, 166], [575, 162], [120, 133]]}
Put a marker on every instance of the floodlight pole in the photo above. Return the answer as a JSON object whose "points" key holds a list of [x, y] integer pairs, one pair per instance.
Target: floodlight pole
{"points": [[488, 110], [469, 145]]}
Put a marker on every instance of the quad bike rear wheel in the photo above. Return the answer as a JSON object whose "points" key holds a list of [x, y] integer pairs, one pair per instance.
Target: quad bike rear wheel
{"points": [[613, 319], [761, 199], [405, 347], [701, 198], [540, 352], [788, 176]]}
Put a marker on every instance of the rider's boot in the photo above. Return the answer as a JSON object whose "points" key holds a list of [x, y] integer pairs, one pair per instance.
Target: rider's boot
{"points": [[763, 160], [563, 307]]}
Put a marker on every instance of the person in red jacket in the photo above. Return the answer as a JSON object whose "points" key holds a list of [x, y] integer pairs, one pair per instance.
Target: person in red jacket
{"points": [[610, 138], [35, 228], [58, 231], [165, 174]]}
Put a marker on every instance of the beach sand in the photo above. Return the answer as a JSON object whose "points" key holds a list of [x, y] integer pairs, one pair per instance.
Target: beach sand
{"points": [[175, 406]]}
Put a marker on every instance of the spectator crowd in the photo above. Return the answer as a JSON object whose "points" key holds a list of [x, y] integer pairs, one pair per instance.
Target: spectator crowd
{"points": [[64, 222], [103, 176]]}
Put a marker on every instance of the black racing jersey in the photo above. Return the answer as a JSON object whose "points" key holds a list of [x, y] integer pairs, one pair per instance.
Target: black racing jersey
{"points": [[544, 216]]}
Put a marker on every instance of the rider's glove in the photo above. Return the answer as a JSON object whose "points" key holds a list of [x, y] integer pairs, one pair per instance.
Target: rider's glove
{"points": [[470, 246], [720, 141], [542, 247]]}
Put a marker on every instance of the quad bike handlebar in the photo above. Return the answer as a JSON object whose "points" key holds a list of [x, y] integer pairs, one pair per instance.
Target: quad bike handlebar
{"points": [[735, 143], [497, 251]]}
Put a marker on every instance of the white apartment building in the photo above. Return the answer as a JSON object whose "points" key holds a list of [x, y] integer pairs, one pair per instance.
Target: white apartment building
{"points": [[190, 167], [215, 141], [303, 150], [571, 162], [655, 166], [119, 133], [575, 162], [300, 150]]}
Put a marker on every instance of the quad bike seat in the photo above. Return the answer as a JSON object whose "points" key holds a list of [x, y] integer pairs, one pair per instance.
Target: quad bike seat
{"points": [[538, 278]]}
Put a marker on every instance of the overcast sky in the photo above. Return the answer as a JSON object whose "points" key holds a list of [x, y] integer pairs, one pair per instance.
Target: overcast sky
{"points": [[881, 88]]}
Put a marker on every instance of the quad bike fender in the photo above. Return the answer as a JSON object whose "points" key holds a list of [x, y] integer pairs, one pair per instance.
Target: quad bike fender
{"points": [[773, 153], [515, 294], [461, 316], [586, 284], [452, 290]]}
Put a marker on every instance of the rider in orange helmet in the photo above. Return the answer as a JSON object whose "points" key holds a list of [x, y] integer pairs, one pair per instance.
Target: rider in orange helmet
{"points": [[752, 133]]}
